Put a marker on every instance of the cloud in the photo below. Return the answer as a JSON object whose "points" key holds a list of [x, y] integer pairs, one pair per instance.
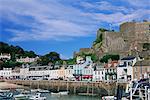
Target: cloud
{"points": [[119, 17], [105, 6], [50, 20], [139, 3], [63, 21]]}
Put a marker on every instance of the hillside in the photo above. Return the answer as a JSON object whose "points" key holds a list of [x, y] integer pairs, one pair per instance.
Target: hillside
{"points": [[15, 51]]}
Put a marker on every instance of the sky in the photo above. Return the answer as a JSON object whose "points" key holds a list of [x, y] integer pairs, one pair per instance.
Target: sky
{"points": [[64, 26]]}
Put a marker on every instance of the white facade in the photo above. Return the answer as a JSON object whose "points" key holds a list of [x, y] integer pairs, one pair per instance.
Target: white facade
{"points": [[27, 60], [125, 69], [69, 73], [5, 56], [99, 75], [24, 72], [54, 74], [6, 73]]}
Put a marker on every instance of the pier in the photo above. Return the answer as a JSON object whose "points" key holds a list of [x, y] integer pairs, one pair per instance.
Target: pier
{"points": [[75, 87]]}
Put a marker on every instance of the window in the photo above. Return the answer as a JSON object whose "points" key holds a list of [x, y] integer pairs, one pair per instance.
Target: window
{"points": [[125, 70], [146, 69], [110, 70]]}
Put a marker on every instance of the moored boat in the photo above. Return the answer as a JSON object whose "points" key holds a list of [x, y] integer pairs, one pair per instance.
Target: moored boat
{"points": [[21, 97], [37, 96], [60, 93], [108, 98], [40, 90]]}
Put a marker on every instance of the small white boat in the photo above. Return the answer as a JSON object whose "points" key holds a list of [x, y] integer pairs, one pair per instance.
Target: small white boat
{"points": [[34, 90], [26, 92], [43, 91], [37, 96], [21, 97], [60, 93], [1, 91], [40, 90], [108, 98], [64, 93]]}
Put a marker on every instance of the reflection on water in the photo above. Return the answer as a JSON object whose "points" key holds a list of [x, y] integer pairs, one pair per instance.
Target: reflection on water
{"points": [[70, 97]]}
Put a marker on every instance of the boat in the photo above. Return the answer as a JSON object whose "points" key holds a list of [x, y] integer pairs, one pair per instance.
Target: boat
{"points": [[60, 93], [138, 90], [34, 90], [26, 92], [64, 93], [43, 91], [2, 91], [37, 96], [21, 97], [40, 90], [108, 98], [6, 97]]}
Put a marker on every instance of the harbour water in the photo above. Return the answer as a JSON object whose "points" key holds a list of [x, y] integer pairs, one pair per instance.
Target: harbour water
{"points": [[71, 97]]}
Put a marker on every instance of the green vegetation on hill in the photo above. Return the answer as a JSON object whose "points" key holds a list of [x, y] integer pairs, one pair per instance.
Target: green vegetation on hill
{"points": [[98, 39], [15, 51], [52, 57], [146, 46], [71, 61], [9, 64], [109, 56]]}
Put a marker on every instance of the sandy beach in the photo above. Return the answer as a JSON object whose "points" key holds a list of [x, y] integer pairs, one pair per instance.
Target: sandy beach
{"points": [[5, 85]]}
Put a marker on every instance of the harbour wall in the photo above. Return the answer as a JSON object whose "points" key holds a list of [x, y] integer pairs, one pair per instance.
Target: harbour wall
{"points": [[74, 87]]}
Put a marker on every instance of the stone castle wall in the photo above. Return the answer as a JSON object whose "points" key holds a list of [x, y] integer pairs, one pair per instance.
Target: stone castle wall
{"points": [[132, 35]]}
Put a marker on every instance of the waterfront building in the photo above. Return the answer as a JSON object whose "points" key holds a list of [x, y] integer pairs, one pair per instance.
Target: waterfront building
{"points": [[5, 56], [83, 70], [69, 74], [141, 70], [87, 73], [6, 73], [99, 74], [125, 69], [16, 73], [111, 71], [61, 73], [27, 59], [24, 73]]}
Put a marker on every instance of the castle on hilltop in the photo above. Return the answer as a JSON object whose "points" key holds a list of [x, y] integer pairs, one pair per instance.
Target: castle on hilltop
{"points": [[132, 38]]}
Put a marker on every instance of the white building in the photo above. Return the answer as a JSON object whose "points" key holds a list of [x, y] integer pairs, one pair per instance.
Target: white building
{"points": [[99, 75], [24, 73], [5, 56], [6, 73], [83, 70], [111, 71], [125, 69], [69, 73], [27, 60]]}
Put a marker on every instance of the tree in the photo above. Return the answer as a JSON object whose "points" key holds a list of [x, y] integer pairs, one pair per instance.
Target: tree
{"points": [[30, 54], [53, 56], [71, 61], [43, 60], [109, 56], [146, 46]]}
